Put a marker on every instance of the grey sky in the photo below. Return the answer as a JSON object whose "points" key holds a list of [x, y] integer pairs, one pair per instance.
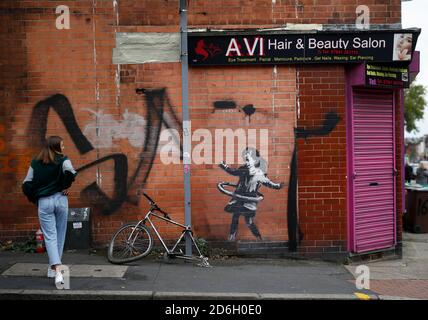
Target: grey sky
{"points": [[415, 14]]}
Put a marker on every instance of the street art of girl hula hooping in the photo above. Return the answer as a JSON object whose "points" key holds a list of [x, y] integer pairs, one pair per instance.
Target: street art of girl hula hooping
{"points": [[246, 196]]}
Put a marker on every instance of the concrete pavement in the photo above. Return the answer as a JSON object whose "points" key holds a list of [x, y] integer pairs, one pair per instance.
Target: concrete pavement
{"points": [[23, 276], [407, 277]]}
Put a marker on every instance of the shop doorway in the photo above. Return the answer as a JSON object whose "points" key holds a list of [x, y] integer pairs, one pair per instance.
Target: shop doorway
{"points": [[372, 170]]}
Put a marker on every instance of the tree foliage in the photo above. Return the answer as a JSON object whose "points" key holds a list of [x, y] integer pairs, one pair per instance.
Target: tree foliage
{"points": [[414, 105]]}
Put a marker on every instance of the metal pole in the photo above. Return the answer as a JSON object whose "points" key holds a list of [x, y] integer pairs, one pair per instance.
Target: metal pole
{"points": [[186, 121]]}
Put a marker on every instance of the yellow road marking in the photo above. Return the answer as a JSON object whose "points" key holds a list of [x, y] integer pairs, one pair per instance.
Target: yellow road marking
{"points": [[362, 296]]}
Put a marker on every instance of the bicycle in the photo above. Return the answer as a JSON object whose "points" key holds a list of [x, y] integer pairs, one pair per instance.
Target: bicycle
{"points": [[134, 241]]}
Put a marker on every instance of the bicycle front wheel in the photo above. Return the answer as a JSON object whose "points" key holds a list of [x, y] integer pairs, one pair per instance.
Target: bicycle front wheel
{"points": [[130, 243]]}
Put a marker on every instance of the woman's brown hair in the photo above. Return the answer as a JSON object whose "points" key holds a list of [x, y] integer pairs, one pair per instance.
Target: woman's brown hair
{"points": [[51, 147]]}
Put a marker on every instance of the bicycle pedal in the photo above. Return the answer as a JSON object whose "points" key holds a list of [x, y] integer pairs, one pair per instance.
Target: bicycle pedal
{"points": [[204, 263]]}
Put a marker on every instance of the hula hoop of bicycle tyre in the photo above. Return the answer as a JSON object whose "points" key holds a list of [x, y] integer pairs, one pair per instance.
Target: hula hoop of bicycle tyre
{"points": [[221, 187]]}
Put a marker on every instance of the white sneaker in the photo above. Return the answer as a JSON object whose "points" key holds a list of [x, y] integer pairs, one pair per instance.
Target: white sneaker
{"points": [[59, 279], [51, 273]]}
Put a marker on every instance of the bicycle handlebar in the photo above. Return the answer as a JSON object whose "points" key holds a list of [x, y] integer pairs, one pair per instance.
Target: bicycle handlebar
{"points": [[148, 198], [156, 207]]}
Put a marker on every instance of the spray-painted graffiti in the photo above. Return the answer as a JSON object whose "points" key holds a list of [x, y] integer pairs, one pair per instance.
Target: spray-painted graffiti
{"points": [[294, 234], [240, 196], [331, 119], [39, 119], [248, 109], [126, 187], [104, 129], [159, 112], [252, 175], [224, 104]]}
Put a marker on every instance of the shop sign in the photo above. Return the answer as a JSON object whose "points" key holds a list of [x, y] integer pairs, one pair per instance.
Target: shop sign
{"points": [[248, 48], [388, 76]]}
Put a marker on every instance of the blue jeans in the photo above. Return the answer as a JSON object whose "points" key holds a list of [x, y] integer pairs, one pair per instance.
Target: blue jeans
{"points": [[53, 213]]}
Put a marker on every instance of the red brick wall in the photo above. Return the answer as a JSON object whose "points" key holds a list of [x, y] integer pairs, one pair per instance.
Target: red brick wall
{"points": [[43, 62], [251, 13], [38, 61], [14, 72], [322, 161]]}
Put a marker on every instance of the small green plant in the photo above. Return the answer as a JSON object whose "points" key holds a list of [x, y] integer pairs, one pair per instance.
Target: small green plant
{"points": [[203, 246], [219, 254], [27, 246], [210, 252], [156, 253]]}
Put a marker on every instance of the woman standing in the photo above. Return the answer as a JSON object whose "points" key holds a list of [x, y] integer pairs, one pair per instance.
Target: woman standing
{"points": [[48, 178]]}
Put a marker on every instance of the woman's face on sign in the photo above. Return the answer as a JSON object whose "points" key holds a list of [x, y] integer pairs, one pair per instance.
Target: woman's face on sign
{"points": [[405, 42]]}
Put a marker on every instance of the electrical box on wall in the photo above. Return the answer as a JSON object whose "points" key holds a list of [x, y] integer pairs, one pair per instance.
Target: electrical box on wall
{"points": [[78, 229]]}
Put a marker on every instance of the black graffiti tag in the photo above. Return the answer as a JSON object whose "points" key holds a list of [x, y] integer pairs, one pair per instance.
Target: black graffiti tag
{"points": [[61, 105], [159, 112], [295, 235]]}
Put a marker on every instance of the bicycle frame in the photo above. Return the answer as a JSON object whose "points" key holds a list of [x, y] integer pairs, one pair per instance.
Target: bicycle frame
{"points": [[187, 230]]}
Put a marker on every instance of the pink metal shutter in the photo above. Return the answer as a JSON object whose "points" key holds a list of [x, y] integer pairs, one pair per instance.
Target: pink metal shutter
{"points": [[373, 170]]}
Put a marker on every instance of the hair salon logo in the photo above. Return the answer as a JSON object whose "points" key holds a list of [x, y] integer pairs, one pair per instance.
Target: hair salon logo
{"points": [[207, 50]]}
